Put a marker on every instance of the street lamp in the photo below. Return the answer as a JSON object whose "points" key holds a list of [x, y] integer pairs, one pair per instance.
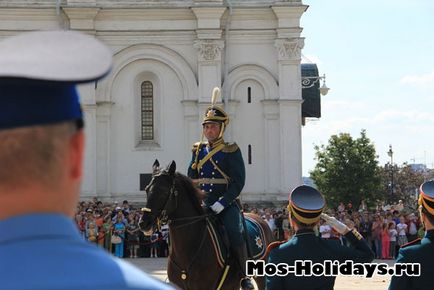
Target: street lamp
{"points": [[308, 82], [390, 153]]}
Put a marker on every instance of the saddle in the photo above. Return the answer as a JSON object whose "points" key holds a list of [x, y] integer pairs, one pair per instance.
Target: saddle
{"points": [[220, 240]]}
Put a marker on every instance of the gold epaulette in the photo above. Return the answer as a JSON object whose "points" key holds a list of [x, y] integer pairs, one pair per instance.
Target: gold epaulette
{"points": [[230, 147], [357, 234], [412, 243], [194, 148], [272, 246]]}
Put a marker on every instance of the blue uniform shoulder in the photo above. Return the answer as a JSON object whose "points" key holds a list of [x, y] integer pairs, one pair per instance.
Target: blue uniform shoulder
{"points": [[412, 243], [272, 246], [230, 148]]}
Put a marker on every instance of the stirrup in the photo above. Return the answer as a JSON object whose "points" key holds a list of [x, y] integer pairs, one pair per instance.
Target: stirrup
{"points": [[246, 284]]}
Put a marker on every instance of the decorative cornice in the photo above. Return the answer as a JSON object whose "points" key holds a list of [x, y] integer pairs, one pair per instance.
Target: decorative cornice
{"points": [[289, 49], [209, 49]]}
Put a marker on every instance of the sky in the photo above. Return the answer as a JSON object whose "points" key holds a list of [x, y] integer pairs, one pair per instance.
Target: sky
{"points": [[378, 58]]}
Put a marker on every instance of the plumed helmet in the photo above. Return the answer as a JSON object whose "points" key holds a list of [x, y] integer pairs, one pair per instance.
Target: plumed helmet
{"points": [[214, 113]]}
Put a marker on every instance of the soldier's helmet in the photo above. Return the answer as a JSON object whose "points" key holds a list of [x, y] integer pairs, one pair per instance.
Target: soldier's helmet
{"points": [[214, 113], [426, 197], [306, 204]]}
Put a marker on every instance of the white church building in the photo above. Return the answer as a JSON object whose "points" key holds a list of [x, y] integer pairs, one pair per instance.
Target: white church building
{"points": [[167, 57]]}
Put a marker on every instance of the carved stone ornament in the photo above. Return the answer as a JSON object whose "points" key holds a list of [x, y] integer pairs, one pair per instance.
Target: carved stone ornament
{"points": [[209, 49], [289, 49]]}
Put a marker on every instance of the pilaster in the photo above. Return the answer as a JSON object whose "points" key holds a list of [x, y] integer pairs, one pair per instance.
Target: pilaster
{"points": [[272, 145], [103, 112], [290, 145], [192, 130]]}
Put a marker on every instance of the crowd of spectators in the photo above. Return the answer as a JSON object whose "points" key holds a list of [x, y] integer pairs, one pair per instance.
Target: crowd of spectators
{"points": [[114, 227], [385, 227]]}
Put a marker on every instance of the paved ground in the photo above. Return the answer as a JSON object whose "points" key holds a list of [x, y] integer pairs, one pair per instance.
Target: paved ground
{"points": [[157, 268]]}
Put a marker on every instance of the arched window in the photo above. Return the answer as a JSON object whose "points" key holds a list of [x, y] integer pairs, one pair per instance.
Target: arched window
{"points": [[147, 111]]}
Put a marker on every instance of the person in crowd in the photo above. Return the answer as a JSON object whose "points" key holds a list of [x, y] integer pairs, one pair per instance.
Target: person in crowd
{"points": [[41, 166], [269, 219], [396, 218], [107, 228], [325, 230], [421, 250], [402, 229], [377, 227], [164, 243], [132, 236], [154, 244], [341, 207], [278, 220], [400, 206], [285, 226], [99, 221], [385, 242], [305, 208], [92, 232], [392, 235], [119, 230], [363, 207], [412, 227], [366, 227]]}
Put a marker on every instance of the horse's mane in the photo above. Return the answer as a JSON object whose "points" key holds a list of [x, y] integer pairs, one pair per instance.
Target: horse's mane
{"points": [[193, 193]]}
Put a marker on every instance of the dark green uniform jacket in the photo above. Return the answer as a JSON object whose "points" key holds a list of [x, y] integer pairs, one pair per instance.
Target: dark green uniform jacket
{"points": [[304, 245], [419, 251], [230, 162]]}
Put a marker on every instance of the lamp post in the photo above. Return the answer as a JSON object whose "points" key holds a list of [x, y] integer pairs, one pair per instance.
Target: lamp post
{"points": [[308, 82], [390, 153]]}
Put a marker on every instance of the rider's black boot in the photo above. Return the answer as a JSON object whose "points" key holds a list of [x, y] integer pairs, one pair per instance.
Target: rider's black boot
{"points": [[241, 257]]}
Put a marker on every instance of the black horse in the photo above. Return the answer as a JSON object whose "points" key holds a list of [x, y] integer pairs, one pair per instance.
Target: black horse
{"points": [[193, 262]]}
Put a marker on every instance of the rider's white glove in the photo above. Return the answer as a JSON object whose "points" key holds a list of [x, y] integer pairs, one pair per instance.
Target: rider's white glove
{"points": [[217, 207], [334, 223]]}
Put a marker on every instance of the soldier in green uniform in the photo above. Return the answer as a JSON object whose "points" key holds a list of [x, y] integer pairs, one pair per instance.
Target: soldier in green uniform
{"points": [[305, 210], [420, 250], [218, 169]]}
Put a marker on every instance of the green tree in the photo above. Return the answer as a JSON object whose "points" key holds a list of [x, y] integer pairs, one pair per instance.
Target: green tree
{"points": [[406, 183], [347, 170]]}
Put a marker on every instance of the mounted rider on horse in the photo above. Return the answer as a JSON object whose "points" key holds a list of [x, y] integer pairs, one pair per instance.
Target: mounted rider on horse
{"points": [[218, 170]]}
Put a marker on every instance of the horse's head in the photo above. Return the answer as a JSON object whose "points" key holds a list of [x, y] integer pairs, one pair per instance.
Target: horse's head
{"points": [[162, 198]]}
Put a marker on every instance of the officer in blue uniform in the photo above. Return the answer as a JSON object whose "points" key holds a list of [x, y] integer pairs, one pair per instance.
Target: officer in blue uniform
{"points": [[41, 156], [218, 169], [305, 209], [421, 250]]}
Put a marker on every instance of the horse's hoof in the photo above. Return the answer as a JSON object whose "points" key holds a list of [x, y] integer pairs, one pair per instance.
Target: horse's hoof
{"points": [[246, 284]]}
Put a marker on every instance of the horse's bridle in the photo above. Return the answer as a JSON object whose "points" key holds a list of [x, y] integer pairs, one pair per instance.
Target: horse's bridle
{"points": [[163, 218]]}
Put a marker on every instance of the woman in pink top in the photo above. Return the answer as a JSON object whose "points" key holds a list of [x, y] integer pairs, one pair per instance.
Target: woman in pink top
{"points": [[385, 242]]}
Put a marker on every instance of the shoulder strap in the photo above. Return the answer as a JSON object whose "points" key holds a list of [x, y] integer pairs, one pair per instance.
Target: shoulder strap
{"points": [[272, 246], [209, 155]]}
